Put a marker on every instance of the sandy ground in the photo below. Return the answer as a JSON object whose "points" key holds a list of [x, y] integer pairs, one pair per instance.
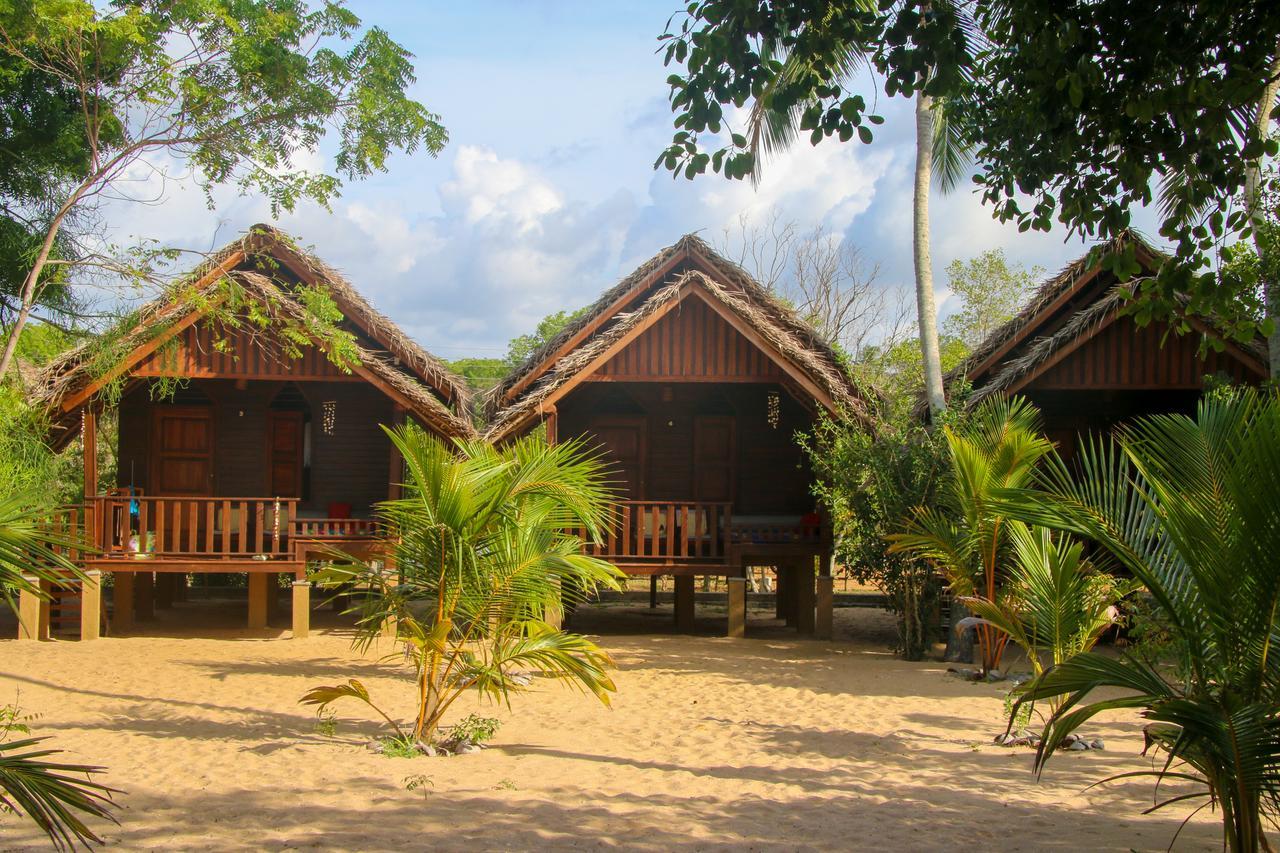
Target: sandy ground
{"points": [[767, 743]]}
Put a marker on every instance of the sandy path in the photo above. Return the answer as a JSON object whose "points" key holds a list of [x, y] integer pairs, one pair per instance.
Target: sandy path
{"points": [[769, 743]]}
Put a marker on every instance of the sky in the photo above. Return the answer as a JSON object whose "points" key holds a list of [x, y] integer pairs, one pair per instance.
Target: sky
{"points": [[546, 193]]}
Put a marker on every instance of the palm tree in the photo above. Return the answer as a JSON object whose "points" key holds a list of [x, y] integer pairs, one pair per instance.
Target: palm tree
{"points": [[1054, 603], [490, 547], [1191, 508], [965, 535], [942, 154], [49, 793]]}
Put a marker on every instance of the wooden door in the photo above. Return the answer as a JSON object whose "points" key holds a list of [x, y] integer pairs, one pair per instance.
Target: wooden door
{"points": [[622, 439], [182, 451], [284, 454], [714, 458]]}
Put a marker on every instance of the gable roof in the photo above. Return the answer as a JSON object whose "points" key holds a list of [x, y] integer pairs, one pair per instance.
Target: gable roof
{"points": [[687, 269], [397, 365], [1067, 310]]}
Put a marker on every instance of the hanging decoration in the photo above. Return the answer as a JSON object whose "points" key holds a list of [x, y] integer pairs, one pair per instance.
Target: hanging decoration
{"points": [[329, 416], [773, 409]]}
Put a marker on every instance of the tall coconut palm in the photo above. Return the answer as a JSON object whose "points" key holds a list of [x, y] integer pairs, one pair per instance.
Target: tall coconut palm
{"points": [[965, 535], [489, 546], [942, 155], [52, 794], [1191, 508]]}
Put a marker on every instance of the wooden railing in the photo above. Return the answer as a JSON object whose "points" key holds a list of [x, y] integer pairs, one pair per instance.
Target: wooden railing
{"points": [[183, 527], [337, 528], [666, 531]]}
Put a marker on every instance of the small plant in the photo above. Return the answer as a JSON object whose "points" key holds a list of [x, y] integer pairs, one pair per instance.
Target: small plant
{"points": [[473, 729], [420, 782], [326, 723], [1019, 716], [505, 785], [399, 747]]}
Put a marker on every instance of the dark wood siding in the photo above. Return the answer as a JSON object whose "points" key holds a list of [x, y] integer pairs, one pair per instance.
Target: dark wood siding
{"points": [[691, 344], [1126, 355], [350, 466], [196, 353]]}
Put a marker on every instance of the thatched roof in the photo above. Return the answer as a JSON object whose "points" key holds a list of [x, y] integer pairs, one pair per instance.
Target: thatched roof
{"points": [[689, 251], [74, 372], [549, 369], [1075, 303]]}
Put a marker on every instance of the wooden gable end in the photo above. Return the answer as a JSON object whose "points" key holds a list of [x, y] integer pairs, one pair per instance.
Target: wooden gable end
{"points": [[195, 353], [1124, 355], [691, 343]]}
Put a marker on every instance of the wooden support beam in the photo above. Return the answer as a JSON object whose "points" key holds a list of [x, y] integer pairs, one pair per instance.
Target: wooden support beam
{"points": [[395, 471], [653, 592], [684, 604], [805, 597], [737, 607], [123, 595], [91, 605], [257, 600], [30, 613], [145, 595], [301, 609], [553, 425], [273, 597], [824, 617], [89, 450], [780, 593]]}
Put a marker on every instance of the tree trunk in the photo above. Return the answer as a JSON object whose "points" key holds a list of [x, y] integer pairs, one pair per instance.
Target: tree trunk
{"points": [[959, 643], [1257, 218], [30, 291], [926, 311]]}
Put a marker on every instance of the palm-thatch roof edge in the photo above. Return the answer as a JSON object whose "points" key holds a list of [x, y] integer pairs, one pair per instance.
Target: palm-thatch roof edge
{"points": [[823, 370]]}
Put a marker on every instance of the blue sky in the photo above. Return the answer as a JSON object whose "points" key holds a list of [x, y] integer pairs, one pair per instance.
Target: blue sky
{"points": [[546, 193]]}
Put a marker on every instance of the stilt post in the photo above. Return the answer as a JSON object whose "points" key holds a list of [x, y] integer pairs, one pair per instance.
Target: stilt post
{"points": [[684, 604], [823, 619], [805, 598], [257, 600], [737, 607], [653, 592], [123, 599], [145, 595], [91, 605], [301, 609]]}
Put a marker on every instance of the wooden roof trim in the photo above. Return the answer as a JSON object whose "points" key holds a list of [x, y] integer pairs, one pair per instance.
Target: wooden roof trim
{"points": [[1145, 256], [593, 325], [1246, 358], [130, 361], [592, 366], [779, 358], [1080, 340]]}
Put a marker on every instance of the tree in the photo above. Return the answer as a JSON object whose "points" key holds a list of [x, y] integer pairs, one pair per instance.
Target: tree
{"points": [[997, 448], [1187, 506], [791, 61], [1073, 111], [489, 541], [991, 292], [237, 90], [523, 346], [824, 278]]}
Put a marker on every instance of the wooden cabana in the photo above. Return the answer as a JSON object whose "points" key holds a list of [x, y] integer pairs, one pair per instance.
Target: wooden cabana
{"points": [[239, 450], [1077, 355], [694, 380]]}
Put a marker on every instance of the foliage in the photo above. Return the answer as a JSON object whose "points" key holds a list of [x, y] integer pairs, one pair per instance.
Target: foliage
{"points": [[991, 292], [963, 532], [481, 374], [490, 542], [523, 346], [869, 482], [48, 792], [1053, 602], [896, 369], [1073, 109], [241, 91], [1187, 506], [474, 729]]}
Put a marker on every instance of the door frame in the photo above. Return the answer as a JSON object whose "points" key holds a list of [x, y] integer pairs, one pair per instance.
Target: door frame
{"points": [[732, 421], [153, 457], [272, 414], [641, 424]]}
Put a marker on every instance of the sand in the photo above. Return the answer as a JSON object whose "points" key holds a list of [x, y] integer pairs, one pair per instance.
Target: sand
{"points": [[768, 743]]}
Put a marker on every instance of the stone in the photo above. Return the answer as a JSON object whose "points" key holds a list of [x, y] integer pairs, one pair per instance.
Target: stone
{"points": [[466, 748], [1097, 743], [1078, 746], [426, 749], [374, 746]]}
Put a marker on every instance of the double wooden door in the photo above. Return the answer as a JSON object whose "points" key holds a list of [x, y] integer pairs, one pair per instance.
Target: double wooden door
{"points": [[182, 451]]}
